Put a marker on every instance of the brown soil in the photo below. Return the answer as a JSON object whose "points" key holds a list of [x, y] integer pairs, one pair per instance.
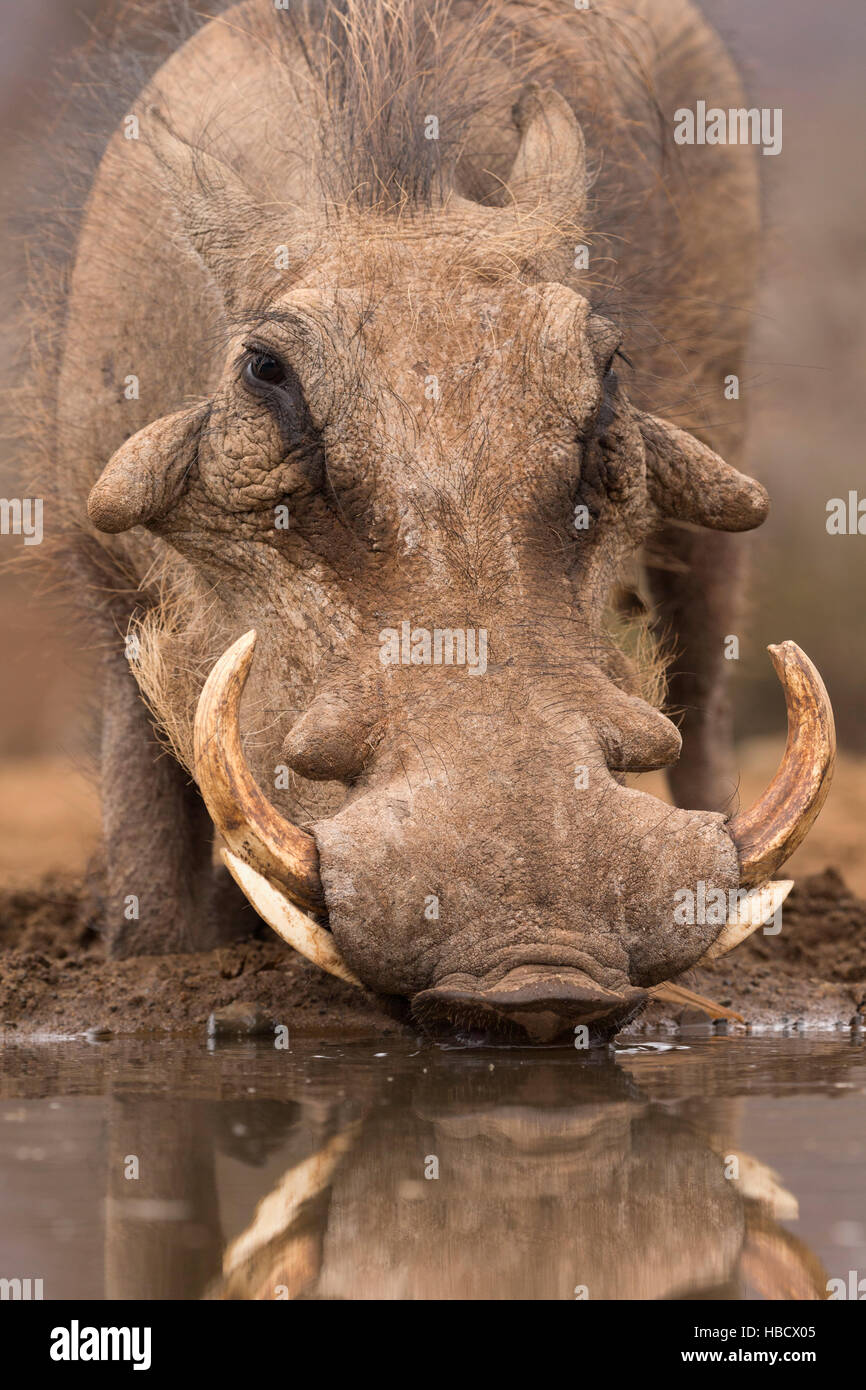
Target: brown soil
{"points": [[55, 979], [812, 974]]}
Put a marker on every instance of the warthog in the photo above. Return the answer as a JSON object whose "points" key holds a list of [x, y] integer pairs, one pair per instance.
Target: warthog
{"points": [[374, 306]]}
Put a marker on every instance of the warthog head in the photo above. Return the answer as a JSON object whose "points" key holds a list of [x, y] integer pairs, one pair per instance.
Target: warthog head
{"points": [[417, 480]]}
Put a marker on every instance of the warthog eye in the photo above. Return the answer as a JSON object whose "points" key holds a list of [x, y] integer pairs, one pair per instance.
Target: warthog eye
{"points": [[277, 386], [609, 375], [610, 385], [264, 370]]}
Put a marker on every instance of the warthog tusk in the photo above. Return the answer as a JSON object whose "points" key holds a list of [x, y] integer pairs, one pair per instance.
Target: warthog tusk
{"points": [[282, 1244], [753, 910], [249, 824], [769, 831], [277, 1212], [294, 926], [669, 992]]}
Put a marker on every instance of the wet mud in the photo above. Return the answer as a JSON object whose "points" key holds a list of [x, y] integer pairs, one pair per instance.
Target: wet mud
{"points": [[55, 977]]}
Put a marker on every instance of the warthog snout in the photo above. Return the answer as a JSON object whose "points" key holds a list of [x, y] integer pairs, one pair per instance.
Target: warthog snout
{"points": [[541, 1001], [519, 910]]}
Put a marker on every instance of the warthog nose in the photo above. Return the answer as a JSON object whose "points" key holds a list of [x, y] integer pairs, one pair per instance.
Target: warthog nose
{"points": [[545, 1002]]}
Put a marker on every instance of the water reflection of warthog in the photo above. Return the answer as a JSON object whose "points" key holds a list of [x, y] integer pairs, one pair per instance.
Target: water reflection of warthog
{"points": [[479, 1180]]}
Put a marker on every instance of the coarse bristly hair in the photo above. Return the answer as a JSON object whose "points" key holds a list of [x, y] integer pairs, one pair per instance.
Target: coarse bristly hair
{"points": [[93, 89], [383, 66]]}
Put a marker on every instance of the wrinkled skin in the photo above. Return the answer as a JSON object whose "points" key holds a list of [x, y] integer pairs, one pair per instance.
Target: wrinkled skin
{"points": [[463, 850]]}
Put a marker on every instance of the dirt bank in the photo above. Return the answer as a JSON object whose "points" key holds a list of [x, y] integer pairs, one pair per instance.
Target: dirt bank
{"points": [[812, 974], [54, 977]]}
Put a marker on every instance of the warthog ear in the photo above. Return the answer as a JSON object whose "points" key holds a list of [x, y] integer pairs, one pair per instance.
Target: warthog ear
{"points": [[147, 475], [546, 185], [549, 170], [217, 212], [688, 482]]}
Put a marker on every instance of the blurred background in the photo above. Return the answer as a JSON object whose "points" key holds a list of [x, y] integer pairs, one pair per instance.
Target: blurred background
{"points": [[804, 385]]}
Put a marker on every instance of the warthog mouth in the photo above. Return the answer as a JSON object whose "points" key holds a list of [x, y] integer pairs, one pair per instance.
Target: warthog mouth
{"points": [[541, 1002], [276, 864]]}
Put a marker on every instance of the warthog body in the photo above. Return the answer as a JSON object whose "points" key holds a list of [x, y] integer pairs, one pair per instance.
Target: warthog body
{"points": [[342, 345]]}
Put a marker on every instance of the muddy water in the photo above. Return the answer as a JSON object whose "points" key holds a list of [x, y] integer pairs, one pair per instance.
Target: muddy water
{"points": [[718, 1167]]}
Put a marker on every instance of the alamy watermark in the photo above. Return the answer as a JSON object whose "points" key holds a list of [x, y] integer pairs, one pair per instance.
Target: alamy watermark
{"points": [[448, 646], [20, 1290], [854, 1288], [738, 126], [714, 907], [77, 1343], [22, 516], [846, 516]]}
